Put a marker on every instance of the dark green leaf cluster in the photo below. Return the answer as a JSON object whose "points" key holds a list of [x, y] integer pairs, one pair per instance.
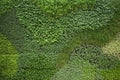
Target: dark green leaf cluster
{"points": [[46, 30], [30, 74], [42, 28], [95, 56], [36, 61], [36, 66], [6, 5]]}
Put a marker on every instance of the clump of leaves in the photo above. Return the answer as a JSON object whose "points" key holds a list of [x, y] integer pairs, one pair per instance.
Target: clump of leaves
{"points": [[47, 30], [95, 56], [42, 28], [113, 47], [36, 66], [8, 59], [6, 5], [112, 74], [76, 69], [58, 8]]}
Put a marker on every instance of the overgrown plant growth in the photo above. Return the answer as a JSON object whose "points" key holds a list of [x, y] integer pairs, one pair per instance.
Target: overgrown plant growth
{"points": [[56, 8], [6, 5], [59, 39], [46, 30], [8, 59]]}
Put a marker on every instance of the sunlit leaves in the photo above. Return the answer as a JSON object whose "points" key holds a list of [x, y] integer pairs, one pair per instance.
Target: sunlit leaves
{"points": [[8, 59], [46, 29]]}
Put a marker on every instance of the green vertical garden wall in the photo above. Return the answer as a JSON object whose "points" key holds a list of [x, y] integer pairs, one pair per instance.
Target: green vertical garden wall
{"points": [[59, 40]]}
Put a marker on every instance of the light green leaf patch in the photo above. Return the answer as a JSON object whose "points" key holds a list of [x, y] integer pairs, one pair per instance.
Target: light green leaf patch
{"points": [[76, 69]]}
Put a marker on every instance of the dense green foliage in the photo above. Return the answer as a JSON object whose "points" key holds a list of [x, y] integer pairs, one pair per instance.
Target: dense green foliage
{"points": [[61, 40], [46, 30], [40, 27], [112, 74], [95, 56], [29, 51], [76, 69], [8, 59], [58, 8], [36, 66], [6, 5]]}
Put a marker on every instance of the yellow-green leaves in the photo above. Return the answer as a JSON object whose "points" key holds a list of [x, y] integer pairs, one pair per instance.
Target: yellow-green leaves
{"points": [[57, 8], [8, 59]]}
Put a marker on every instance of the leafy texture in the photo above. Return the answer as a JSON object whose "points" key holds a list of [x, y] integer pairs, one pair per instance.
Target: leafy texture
{"points": [[67, 24], [43, 29], [46, 30], [95, 56], [58, 8], [113, 47], [76, 69], [113, 74], [6, 5], [8, 59], [36, 66]]}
